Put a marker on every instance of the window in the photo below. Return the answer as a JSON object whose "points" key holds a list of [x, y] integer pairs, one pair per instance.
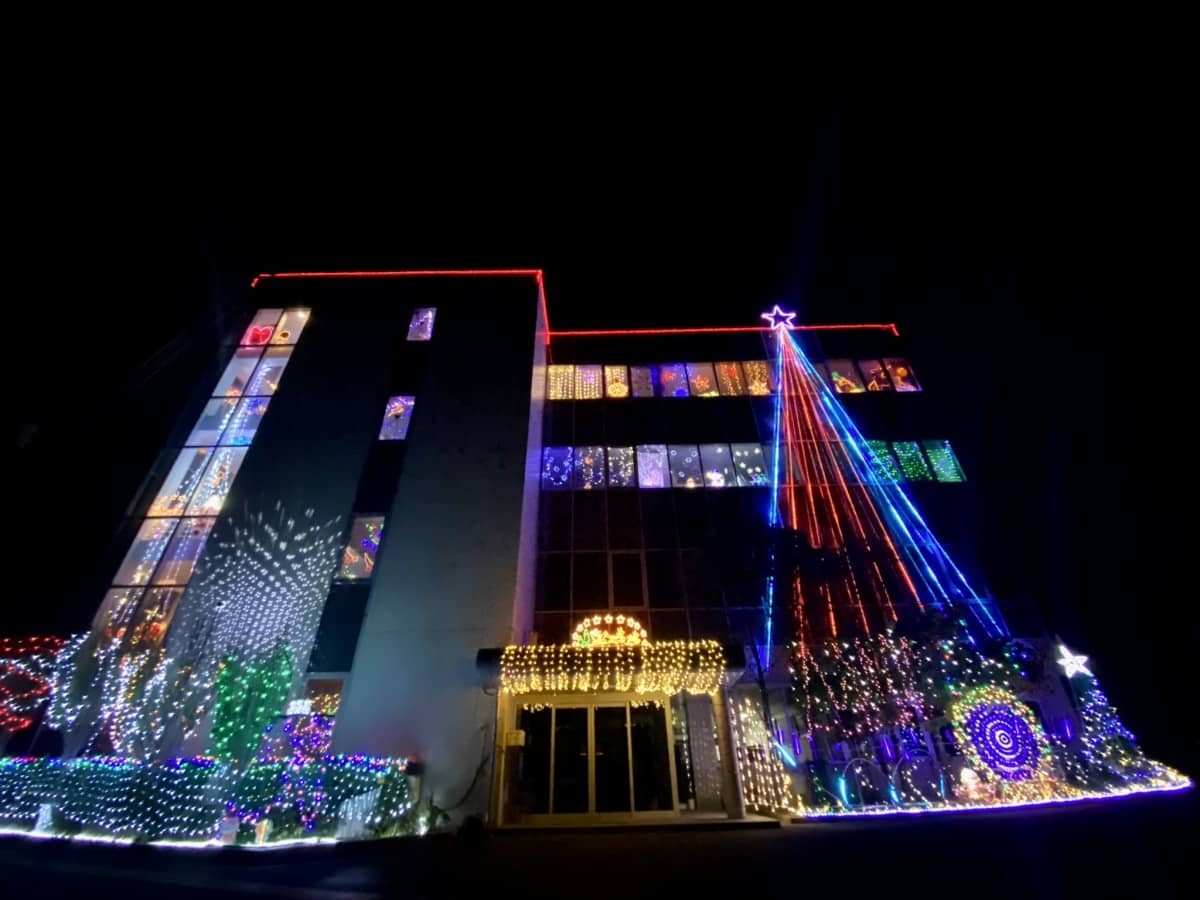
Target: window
{"points": [[289, 327], [183, 551], [589, 581], [750, 464], [627, 579], [261, 328], [883, 464], [589, 468], [912, 463], [672, 380], [555, 583], [116, 610], [663, 578], [758, 377], [154, 615], [874, 376], [396, 416], [265, 380], [701, 380], [181, 481], [643, 379], [718, 465], [588, 383], [685, 466], [560, 382], [556, 468], [358, 559], [730, 380], [616, 381], [844, 376], [218, 479], [145, 551], [420, 327], [652, 466], [901, 374], [246, 419], [944, 462], [620, 467], [237, 374], [211, 424], [823, 371]]}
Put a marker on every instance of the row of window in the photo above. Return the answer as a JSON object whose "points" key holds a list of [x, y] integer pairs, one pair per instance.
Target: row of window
{"points": [[752, 377], [724, 465]]}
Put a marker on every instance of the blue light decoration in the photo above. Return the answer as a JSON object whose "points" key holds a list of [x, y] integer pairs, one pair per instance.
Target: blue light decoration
{"points": [[556, 468], [1003, 740], [786, 755]]}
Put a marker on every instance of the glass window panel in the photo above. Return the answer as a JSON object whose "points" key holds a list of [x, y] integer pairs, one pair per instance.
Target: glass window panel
{"points": [[672, 379], [844, 375], [685, 466], [181, 481], [944, 462], [289, 327], [420, 327], [750, 464], [154, 615], [874, 377], [261, 327], [556, 468], [627, 579], [396, 417], [589, 581], [643, 379], [183, 551], [718, 465], [823, 371], [589, 468], [116, 611], [237, 374], [912, 463], [265, 380], [701, 380], [211, 424], [560, 382], [145, 551], [616, 381], [882, 463], [246, 419], [901, 374], [730, 380], [620, 467], [589, 382], [358, 559], [217, 480], [652, 466], [758, 377]]}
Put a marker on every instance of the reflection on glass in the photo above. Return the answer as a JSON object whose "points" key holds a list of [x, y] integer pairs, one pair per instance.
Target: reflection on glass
{"points": [[652, 466], [265, 380], [589, 468], [217, 480], [560, 382], [589, 382], [185, 548], [874, 377], [237, 374], [612, 759], [758, 377], [651, 763], [672, 379], [181, 481], [358, 559], [750, 464], [116, 610], [823, 371], [616, 381], [912, 463], [246, 419], [420, 328], [533, 780], [685, 466], [730, 380], [901, 374], [844, 375], [620, 467], [211, 424], [289, 327], [570, 759], [261, 327], [556, 468], [145, 551], [396, 417], [944, 462], [718, 465], [701, 380], [643, 378], [154, 615]]}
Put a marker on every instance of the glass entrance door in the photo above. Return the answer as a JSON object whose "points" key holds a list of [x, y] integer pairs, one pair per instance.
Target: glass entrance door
{"points": [[612, 758]]}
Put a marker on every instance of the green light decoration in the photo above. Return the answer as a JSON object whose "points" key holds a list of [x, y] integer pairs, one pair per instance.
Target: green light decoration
{"points": [[912, 463], [249, 696], [944, 462], [882, 463]]}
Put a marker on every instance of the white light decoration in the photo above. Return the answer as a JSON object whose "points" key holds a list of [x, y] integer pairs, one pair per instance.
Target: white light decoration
{"points": [[1073, 664], [667, 667]]}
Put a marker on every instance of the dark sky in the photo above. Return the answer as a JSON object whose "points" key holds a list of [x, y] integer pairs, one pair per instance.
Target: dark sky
{"points": [[1023, 238]]}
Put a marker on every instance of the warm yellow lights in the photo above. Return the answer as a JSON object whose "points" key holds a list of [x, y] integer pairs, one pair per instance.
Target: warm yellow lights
{"points": [[608, 631], [668, 667]]}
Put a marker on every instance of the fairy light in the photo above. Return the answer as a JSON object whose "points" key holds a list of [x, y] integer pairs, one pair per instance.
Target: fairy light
{"points": [[608, 631], [26, 671], [765, 781]]}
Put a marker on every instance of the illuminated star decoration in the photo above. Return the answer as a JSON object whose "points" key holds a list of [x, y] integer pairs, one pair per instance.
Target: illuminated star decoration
{"points": [[779, 319], [1072, 663]]}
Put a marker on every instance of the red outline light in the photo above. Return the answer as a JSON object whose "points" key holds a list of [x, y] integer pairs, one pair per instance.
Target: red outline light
{"points": [[728, 329]]}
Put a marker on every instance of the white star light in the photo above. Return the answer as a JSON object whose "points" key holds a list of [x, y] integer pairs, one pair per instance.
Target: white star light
{"points": [[1073, 664], [779, 319]]}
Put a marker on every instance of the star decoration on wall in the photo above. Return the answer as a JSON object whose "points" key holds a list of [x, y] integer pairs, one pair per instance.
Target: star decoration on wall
{"points": [[779, 319], [1073, 663]]}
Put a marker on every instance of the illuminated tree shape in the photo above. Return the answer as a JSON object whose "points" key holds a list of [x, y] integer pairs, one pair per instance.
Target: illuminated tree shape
{"points": [[249, 696]]}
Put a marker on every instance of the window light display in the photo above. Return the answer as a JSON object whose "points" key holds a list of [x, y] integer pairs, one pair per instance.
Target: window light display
{"points": [[396, 417], [244, 424], [265, 380], [261, 328], [237, 374], [702, 382], [211, 424], [944, 462], [874, 376], [616, 382], [153, 615], [718, 465], [730, 380], [672, 380], [621, 473], [643, 379], [181, 482], [652, 466], [560, 382], [145, 551], [556, 468], [420, 327], [758, 377], [750, 463], [901, 375], [115, 612], [883, 464], [686, 471], [290, 325], [589, 468], [912, 463], [843, 374], [218, 479], [185, 548], [358, 559], [589, 382]]}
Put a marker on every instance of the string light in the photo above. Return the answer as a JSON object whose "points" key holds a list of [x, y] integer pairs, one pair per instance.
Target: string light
{"points": [[26, 668], [668, 667], [765, 782]]}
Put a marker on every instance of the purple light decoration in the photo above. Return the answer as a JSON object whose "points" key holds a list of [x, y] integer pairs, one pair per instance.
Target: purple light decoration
{"points": [[1004, 741], [1067, 731], [888, 750]]}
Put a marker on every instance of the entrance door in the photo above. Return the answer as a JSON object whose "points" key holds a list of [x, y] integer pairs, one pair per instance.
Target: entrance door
{"points": [[570, 789], [612, 759]]}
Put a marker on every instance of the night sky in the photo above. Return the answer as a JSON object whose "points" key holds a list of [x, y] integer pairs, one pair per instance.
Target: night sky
{"points": [[1022, 241]]}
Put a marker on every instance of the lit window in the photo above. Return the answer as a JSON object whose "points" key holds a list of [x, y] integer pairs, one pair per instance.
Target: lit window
{"points": [[672, 379], [556, 468], [217, 480], [701, 380], [718, 465], [616, 381], [237, 374], [261, 328], [902, 375], [730, 380], [823, 371], [154, 615], [246, 419], [874, 377], [652, 467], [758, 377], [643, 379], [265, 380], [183, 551], [912, 463], [883, 464], [181, 481], [944, 462], [116, 610], [750, 464], [396, 418], [560, 382], [589, 468], [358, 559], [420, 327], [620, 467], [211, 424], [289, 327], [589, 384], [145, 551], [844, 375], [685, 466]]}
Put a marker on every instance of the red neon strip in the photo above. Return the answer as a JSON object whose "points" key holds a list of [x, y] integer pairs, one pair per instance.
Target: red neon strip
{"points": [[727, 329]]}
